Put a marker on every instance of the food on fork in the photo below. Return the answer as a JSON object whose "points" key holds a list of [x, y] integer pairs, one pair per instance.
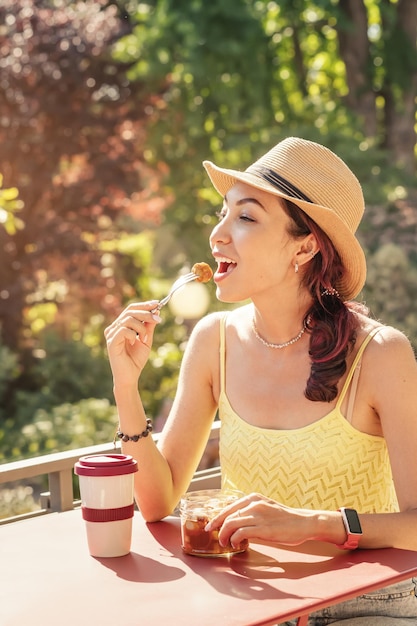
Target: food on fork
{"points": [[203, 272]]}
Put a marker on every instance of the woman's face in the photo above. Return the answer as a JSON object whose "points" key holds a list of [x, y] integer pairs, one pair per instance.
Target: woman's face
{"points": [[255, 254]]}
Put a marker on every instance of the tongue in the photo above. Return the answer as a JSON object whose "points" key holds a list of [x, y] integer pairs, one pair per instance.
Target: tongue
{"points": [[224, 267]]}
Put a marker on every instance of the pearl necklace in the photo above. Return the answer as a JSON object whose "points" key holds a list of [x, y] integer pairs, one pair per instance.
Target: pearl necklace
{"points": [[279, 346]]}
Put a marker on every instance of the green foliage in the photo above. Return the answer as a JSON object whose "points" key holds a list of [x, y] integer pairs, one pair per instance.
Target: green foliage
{"points": [[16, 500], [391, 291], [63, 399], [64, 372], [85, 423], [9, 371], [9, 206], [127, 258], [160, 376], [66, 426]]}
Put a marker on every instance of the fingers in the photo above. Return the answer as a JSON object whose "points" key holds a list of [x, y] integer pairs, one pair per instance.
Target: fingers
{"points": [[237, 509], [137, 320], [244, 519], [229, 521], [237, 528]]}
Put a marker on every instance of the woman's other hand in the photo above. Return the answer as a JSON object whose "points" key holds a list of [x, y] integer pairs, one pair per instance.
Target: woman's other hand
{"points": [[256, 517]]}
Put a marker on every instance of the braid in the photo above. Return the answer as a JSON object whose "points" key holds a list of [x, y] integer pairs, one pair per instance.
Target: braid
{"points": [[333, 333]]}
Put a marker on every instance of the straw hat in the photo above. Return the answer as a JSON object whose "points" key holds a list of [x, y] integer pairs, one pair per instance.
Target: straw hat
{"points": [[321, 184]]}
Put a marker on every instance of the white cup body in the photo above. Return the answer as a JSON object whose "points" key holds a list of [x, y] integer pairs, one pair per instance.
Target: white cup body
{"points": [[108, 539], [104, 497], [106, 492]]}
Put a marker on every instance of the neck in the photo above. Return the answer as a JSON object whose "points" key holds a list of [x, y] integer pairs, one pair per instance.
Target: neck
{"points": [[280, 324]]}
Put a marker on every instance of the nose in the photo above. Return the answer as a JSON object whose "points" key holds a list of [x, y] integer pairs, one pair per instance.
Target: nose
{"points": [[220, 233]]}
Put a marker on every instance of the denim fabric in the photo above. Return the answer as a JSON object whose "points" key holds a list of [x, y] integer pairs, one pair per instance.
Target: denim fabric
{"points": [[395, 605]]}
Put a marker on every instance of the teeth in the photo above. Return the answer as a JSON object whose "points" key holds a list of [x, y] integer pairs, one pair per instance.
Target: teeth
{"points": [[224, 259]]}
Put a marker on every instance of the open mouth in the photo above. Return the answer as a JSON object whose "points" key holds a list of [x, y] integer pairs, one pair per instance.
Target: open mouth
{"points": [[225, 265]]}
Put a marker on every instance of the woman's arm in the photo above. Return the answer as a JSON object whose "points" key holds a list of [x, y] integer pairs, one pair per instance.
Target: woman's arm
{"points": [[165, 471], [391, 372]]}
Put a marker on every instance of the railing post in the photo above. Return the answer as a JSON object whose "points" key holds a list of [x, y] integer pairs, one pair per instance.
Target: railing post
{"points": [[61, 490]]}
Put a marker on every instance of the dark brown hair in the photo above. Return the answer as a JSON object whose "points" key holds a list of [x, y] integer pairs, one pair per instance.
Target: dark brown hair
{"points": [[331, 322]]}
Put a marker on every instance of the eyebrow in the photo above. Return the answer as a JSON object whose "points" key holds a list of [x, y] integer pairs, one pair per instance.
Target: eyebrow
{"points": [[246, 201]]}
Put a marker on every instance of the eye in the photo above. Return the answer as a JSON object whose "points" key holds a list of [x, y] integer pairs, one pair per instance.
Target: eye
{"points": [[246, 218]]}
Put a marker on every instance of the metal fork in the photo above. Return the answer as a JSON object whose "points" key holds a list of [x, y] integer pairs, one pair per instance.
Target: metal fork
{"points": [[180, 282]]}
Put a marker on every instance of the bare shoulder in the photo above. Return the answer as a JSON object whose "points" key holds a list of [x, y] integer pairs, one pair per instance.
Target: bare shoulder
{"points": [[204, 343], [387, 337], [201, 362], [209, 326], [390, 351]]}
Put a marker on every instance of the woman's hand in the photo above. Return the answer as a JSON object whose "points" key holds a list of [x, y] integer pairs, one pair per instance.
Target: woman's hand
{"points": [[263, 519], [129, 340]]}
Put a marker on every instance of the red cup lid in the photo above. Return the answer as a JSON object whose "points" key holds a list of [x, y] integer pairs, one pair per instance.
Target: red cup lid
{"points": [[105, 465]]}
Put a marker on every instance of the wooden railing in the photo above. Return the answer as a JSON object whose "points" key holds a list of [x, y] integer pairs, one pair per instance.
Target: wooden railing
{"points": [[59, 468]]}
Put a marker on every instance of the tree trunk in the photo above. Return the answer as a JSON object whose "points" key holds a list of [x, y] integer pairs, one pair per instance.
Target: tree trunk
{"points": [[354, 51], [400, 88]]}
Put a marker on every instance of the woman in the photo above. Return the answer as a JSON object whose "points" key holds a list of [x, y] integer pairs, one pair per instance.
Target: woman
{"points": [[317, 401]]}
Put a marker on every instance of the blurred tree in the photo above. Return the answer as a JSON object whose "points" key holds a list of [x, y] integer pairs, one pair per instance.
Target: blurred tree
{"points": [[377, 43], [71, 141], [237, 76]]}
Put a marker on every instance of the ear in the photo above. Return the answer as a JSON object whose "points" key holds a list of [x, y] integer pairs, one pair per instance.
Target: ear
{"points": [[307, 249]]}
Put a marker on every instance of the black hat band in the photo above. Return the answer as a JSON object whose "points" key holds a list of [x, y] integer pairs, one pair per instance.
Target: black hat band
{"points": [[279, 182]]}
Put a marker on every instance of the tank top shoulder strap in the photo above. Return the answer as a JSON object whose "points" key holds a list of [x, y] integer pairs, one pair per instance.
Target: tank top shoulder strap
{"points": [[222, 352], [355, 369]]}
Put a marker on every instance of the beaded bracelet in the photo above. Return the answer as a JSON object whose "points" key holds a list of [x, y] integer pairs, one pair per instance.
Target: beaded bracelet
{"points": [[135, 438]]}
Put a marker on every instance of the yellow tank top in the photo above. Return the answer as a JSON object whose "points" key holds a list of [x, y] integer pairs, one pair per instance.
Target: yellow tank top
{"points": [[324, 465]]}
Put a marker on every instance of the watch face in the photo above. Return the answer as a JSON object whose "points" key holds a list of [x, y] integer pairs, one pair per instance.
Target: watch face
{"points": [[353, 521]]}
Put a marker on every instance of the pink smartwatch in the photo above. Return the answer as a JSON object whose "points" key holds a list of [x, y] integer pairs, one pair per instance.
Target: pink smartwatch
{"points": [[353, 529]]}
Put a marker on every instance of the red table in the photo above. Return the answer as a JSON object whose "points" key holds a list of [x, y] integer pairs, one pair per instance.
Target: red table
{"points": [[49, 579]]}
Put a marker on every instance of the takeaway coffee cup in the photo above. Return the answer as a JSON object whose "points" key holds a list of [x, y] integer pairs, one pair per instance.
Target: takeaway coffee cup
{"points": [[106, 487]]}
